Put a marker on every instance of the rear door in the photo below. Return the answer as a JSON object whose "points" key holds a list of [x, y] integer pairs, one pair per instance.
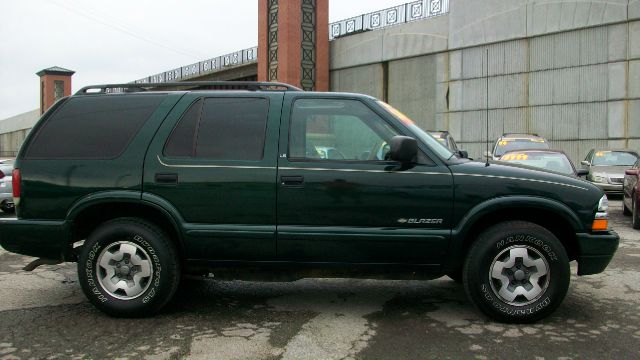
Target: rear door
{"points": [[213, 162], [340, 200]]}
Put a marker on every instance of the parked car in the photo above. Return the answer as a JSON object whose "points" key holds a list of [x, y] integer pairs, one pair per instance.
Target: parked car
{"points": [[606, 168], [551, 160], [157, 184], [445, 138], [6, 188], [514, 141], [631, 194]]}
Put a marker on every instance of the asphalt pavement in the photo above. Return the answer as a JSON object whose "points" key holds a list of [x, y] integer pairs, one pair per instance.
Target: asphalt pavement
{"points": [[44, 315]]}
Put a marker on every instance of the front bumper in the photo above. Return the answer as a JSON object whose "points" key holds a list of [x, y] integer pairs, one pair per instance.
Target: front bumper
{"points": [[38, 238], [609, 188], [595, 251]]}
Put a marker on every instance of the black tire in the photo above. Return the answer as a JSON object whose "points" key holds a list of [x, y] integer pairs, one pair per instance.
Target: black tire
{"points": [[635, 221], [151, 249], [494, 249], [456, 276], [7, 210], [625, 209]]}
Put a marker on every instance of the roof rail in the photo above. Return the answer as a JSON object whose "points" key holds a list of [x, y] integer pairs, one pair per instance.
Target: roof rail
{"points": [[192, 85], [520, 133]]}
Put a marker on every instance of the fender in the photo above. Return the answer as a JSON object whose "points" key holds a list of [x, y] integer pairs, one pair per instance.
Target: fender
{"points": [[461, 231], [167, 208], [132, 197], [102, 197]]}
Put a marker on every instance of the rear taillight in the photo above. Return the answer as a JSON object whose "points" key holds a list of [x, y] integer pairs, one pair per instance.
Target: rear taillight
{"points": [[1, 174], [16, 183]]}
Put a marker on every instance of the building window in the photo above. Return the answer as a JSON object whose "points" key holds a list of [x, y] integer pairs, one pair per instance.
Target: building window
{"points": [[58, 87]]}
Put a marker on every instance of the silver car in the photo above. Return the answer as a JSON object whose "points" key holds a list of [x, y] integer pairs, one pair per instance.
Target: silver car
{"points": [[6, 190], [606, 168]]}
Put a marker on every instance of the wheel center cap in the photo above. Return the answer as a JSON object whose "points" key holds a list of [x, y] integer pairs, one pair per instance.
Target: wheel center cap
{"points": [[519, 275], [124, 270]]}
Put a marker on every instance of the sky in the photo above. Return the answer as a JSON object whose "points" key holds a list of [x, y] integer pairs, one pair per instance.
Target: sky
{"points": [[123, 40]]}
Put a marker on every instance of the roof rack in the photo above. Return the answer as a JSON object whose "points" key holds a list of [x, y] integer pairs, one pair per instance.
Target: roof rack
{"points": [[191, 85], [520, 133]]}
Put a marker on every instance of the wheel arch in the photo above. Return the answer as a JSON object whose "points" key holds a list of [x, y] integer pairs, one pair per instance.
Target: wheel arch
{"points": [[95, 209], [550, 214]]}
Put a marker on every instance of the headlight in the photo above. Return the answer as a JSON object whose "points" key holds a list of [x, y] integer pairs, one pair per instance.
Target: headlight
{"points": [[600, 177], [603, 205], [601, 221]]}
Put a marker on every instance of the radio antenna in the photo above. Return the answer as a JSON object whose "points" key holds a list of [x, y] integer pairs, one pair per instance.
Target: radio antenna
{"points": [[486, 65]]}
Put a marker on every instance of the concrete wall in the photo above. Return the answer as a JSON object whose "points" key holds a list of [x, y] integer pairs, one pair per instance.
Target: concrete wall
{"points": [[13, 131], [567, 70]]}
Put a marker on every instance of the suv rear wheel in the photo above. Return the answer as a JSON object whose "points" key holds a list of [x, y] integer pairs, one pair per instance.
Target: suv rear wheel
{"points": [[516, 272], [128, 268]]}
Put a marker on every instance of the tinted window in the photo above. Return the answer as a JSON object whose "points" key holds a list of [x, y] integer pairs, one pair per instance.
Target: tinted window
{"points": [[93, 127], [326, 129], [182, 140], [232, 129]]}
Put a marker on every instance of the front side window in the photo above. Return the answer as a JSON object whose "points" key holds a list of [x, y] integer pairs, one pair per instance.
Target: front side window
{"points": [[347, 130], [434, 144], [221, 129]]}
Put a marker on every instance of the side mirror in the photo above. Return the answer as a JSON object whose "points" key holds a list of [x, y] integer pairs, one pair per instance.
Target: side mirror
{"points": [[582, 172], [463, 154], [403, 149], [585, 163], [632, 172]]}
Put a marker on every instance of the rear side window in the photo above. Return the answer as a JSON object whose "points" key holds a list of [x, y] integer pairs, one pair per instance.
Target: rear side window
{"points": [[182, 142], [93, 127], [221, 129]]}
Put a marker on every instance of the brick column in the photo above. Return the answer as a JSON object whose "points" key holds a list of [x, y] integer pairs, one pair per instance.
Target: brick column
{"points": [[55, 83], [293, 42]]}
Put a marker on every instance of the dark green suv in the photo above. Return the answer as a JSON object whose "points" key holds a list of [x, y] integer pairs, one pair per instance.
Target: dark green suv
{"points": [[141, 184]]}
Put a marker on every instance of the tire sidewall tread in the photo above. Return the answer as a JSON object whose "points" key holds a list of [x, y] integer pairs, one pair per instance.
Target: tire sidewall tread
{"points": [[502, 236], [165, 263]]}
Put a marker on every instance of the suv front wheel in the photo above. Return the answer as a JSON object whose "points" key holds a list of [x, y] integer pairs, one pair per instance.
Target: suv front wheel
{"points": [[128, 268], [516, 272]]}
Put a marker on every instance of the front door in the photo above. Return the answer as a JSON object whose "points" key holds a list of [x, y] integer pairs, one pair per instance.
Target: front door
{"points": [[341, 200]]}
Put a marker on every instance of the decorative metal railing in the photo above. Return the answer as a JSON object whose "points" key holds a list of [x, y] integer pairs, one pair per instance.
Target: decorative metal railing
{"points": [[200, 68], [415, 10]]}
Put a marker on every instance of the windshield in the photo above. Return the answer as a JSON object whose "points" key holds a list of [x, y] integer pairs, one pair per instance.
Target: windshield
{"points": [[506, 145], [422, 135], [548, 161], [614, 158]]}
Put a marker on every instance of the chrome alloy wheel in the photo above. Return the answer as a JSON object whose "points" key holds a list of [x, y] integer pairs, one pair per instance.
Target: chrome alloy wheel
{"points": [[519, 275], [124, 270]]}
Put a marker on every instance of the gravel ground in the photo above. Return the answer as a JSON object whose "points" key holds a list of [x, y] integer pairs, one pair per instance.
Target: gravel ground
{"points": [[43, 314]]}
